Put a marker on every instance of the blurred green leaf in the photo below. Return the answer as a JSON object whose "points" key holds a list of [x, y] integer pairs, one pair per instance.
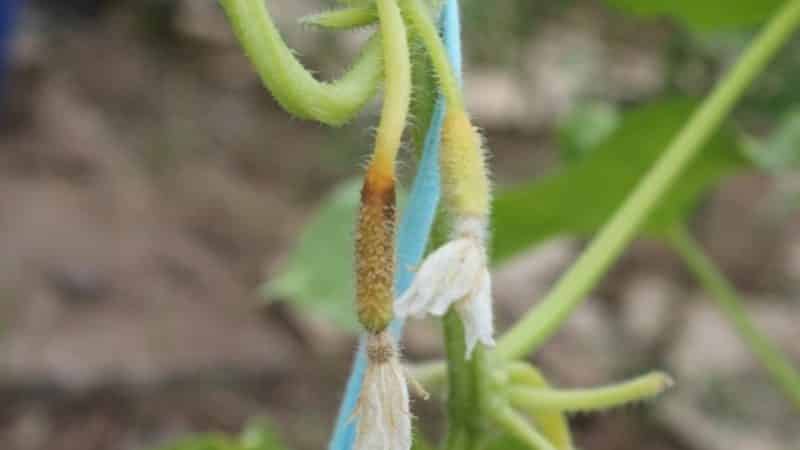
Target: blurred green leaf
{"points": [[259, 435], [204, 442], [586, 126], [255, 437], [318, 276], [704, 15], [420, 443], [781, 150], [512, 24], [580, 198]]}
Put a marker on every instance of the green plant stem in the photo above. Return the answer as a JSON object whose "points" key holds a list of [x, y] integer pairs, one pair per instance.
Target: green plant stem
{"points": [[462, 405], [516, 425], [294, 87], [540, 323], [459, 380], [484, 393], [397, 95], [586, 400], [553, 424], [426, 93], [343, 18], [467, 379], [783, 373], [418, 15], [523, 373]]}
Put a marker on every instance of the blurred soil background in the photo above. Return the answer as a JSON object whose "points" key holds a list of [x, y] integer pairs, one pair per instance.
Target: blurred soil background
{"points": [[149, 185]]}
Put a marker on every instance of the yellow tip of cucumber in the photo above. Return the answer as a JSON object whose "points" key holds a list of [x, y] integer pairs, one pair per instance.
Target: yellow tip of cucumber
{"points": [[466, 185]]}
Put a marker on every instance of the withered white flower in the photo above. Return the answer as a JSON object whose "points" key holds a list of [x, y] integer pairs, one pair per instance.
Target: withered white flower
{"points": [[456, 274], [383, 413]]}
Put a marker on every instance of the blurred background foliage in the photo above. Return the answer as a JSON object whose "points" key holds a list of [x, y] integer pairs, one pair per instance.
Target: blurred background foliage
{"points": [[256, 436], [150, 186]]}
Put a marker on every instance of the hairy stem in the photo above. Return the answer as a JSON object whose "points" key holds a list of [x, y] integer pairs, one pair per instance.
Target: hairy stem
{"points": [[418, 15], [540, 323], [553, 424], [461, 402], [780, 368], [294, 87], [465, 378], [397, 95], [586, 400], [425, 101]]}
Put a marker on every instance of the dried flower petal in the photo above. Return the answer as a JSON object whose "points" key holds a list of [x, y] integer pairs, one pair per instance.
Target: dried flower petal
{"points": [[455, 274], [476, 313], [384, 418]]}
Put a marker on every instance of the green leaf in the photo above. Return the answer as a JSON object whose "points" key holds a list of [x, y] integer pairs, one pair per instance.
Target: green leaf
{"points": [[704, 15], [318, 276], [257, 436], [587, 125], [204, 442], [781, 150], [580, 198]]}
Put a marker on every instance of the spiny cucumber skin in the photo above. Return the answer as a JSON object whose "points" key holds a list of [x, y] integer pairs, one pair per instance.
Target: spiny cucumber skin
{"points": [[375, 253]]}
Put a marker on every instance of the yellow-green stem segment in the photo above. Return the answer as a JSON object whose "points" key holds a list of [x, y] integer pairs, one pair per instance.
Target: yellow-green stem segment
{"points": [[466, 188], [397, 92], [417, 14]]}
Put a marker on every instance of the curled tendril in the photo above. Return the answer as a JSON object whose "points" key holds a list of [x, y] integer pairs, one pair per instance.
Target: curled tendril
{"points": [[293, 86]]}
